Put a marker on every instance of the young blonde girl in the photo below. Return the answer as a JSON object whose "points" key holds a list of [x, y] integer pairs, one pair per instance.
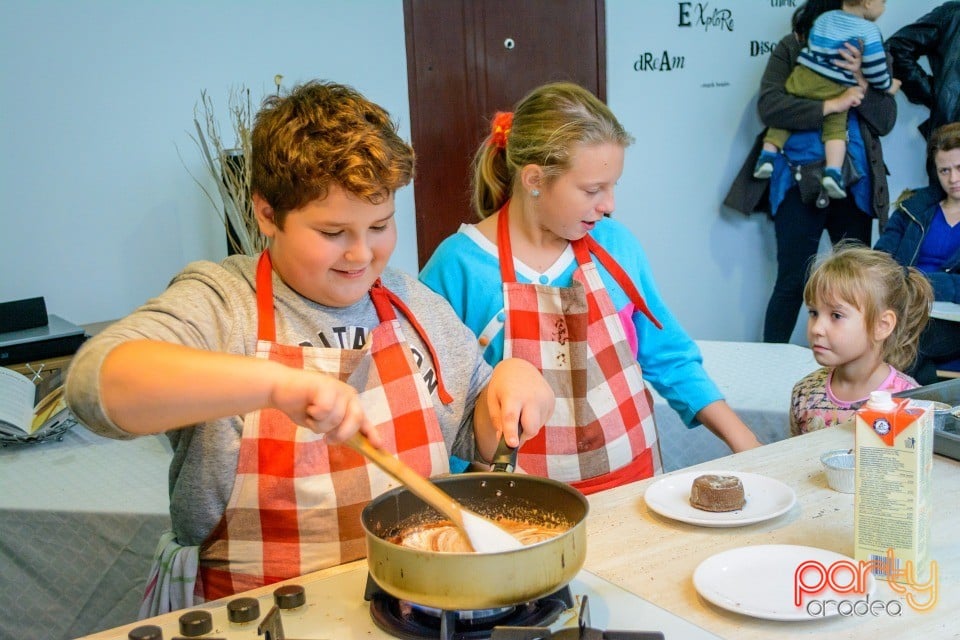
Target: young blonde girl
{"points": [[866, 313], [548, 276]]}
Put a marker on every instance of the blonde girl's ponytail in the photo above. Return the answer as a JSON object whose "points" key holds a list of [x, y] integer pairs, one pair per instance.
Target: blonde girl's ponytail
{"points": [[545, 129], [492, 177], [900, 348]]}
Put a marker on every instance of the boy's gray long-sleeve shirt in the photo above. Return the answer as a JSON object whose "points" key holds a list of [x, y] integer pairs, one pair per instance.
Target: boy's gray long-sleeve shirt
{"points": [[213, 307]]}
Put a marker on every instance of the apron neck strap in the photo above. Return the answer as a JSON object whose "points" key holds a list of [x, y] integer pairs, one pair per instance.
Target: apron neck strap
{"points": [[507, 272], [266, 327], [385, 301], [582, 249], [588, 244]]}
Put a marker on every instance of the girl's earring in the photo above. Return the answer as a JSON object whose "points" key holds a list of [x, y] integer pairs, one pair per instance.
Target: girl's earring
{"points": [[535, 193]]}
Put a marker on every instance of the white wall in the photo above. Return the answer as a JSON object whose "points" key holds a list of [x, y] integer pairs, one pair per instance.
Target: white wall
{"points": [[694, 126], [99, 211], [98, 208]]}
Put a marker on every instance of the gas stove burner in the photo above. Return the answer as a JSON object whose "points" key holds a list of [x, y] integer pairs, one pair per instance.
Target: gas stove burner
{"points": [[415, 622], [582, 632], [473, 616]]}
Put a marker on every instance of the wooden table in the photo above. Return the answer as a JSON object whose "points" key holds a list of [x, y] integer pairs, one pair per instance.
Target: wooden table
{"points": [[655, 557]]}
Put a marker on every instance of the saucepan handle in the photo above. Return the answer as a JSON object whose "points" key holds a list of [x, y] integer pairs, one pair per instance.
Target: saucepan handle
{"points": [[505, 457]]}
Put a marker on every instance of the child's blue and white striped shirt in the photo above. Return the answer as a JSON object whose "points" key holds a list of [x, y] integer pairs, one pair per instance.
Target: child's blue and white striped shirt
{"points": [[829, 33]]}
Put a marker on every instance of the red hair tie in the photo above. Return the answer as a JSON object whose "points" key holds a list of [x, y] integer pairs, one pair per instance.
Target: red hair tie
{"points": [[502, 122]]}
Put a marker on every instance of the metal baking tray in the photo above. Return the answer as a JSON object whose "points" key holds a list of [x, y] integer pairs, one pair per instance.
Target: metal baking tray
{"points": [[946, 442]]}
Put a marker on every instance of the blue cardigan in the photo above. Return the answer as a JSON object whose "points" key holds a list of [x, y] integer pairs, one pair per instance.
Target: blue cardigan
{"points": [[904, 234], [468, 276]]}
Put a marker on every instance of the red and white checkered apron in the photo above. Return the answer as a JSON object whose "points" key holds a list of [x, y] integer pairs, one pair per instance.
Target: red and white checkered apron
{"points": [[295, 506], [602, 432]]}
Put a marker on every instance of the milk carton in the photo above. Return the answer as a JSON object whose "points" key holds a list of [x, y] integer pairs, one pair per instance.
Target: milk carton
{"points": [[894, 463]]}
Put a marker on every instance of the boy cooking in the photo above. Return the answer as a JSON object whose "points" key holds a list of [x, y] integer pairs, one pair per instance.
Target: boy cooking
{"points": [[256, 367]]}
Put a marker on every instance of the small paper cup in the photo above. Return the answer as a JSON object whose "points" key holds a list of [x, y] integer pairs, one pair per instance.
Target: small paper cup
{"points": [[941, 411], [839, 469]]}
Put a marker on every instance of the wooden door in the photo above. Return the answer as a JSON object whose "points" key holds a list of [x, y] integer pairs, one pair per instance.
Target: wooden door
{"points": [[468, 59]]}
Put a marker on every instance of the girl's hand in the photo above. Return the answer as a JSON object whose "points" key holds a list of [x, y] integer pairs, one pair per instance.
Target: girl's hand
{"points": [[519, 400], [719, 418]]}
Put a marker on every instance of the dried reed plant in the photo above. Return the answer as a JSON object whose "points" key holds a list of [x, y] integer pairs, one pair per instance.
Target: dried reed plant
{"points": [[227, 166]]}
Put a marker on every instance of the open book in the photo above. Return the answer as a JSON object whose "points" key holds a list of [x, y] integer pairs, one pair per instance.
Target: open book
{"points": [[22, 416]]}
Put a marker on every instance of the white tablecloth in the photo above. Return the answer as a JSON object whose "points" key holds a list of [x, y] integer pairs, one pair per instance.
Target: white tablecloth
{"points": [[945, 310], [79, 521], [756, 378]]}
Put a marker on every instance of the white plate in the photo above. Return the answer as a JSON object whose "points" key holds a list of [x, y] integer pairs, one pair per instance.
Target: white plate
{"points": [[759, 581], [766, 498]]}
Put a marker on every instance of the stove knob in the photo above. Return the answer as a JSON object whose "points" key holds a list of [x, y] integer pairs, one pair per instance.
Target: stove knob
{"points": [[146, 632], [290, 596], [196, 623], [243, 610]]}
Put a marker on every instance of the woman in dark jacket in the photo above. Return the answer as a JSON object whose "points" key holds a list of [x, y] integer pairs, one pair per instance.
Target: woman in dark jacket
{"points": [[799, 224], [924, 232]]}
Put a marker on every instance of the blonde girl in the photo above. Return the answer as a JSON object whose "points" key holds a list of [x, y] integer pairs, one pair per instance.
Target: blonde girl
{"points": [[549, 276], [866, 313]]}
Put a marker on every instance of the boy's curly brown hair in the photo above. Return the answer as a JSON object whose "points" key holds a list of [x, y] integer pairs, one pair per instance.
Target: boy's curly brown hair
{"points": [[324, 133]]}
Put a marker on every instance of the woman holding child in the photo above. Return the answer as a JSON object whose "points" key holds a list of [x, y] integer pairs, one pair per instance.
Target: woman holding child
{"points": [[798, 222]]}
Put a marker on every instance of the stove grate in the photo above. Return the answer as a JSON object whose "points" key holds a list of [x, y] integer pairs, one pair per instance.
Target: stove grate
{"points": [[583, 631], [413, 622]]}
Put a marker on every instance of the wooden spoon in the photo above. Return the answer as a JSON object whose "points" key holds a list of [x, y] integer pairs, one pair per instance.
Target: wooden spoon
{"points": [[483, 534]]}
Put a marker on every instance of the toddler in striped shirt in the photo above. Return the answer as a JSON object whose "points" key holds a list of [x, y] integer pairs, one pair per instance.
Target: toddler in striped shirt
{"points": [[818, 76]]}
